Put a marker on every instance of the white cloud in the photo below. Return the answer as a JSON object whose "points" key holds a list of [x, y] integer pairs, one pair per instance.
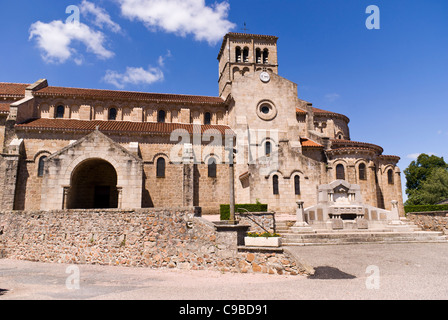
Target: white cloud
{"points": [[162, 59], [56, 38], [414, 156], [101, 18], [332, 97], [133, 76], [182, 17]]}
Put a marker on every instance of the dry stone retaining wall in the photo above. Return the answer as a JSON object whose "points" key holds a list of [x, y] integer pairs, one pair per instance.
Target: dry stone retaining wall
{"points": [[431, 221], [156, 238]]}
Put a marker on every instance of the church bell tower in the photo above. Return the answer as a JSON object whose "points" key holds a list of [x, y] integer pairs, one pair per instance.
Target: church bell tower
{"points": [[243, 53]]}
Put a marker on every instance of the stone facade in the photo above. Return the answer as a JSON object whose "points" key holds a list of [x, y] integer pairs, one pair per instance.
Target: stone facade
{"points": [[155, 238], [52, 137]]}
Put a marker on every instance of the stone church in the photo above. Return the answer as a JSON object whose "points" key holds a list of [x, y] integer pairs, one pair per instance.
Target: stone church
{"points": [[72, 148]]}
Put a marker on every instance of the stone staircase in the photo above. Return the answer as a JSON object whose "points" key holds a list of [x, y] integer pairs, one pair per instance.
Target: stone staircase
{"points": [[407, 232]]}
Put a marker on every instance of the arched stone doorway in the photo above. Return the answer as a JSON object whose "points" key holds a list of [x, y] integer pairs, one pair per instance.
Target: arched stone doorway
{"points": [[93, 185]]}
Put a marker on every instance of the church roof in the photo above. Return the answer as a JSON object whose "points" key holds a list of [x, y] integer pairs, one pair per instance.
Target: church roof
{"points": [[348, 145], [4, 108], [321, 112], [307, 143], [12, 90], [17, 90], [120, 126], [141, 96]]}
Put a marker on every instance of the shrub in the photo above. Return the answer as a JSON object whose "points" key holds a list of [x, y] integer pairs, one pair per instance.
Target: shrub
{"points": [[262, 235], [426, 208], [225, 209]]}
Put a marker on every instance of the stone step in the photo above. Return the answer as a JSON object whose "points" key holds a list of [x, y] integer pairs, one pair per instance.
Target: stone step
{"points": [[362, 237], [406, 232]]}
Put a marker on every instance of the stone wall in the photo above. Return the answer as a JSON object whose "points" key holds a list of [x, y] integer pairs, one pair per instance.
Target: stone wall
{"points": [[430, 221], [156, 238], [258, 221]]}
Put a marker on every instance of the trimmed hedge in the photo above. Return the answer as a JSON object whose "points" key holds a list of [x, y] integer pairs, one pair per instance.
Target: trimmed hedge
{"points": [[426, 208], [225, 209]]}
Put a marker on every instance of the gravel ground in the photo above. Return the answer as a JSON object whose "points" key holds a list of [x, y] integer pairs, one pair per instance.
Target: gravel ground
{"points": [[355, 272]]}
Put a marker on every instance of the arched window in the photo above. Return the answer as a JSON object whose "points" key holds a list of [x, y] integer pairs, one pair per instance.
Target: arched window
{"points": [[207, 118], [246, 55], [275, 185], [362, 172], [161, 116], [113, 114], [212, 168], [238, 54], [390, 176], [297, 185], [41, 166], [340, 172], [266, 56], [258, 56], [267, 148], [161, 164], [60, 112]]}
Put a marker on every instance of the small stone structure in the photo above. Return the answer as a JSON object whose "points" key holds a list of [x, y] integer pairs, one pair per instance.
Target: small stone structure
{"points": [[340, 206], [155, 238]]}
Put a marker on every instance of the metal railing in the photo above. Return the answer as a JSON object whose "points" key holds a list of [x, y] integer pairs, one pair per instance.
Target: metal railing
{"points": [[251, 217]]}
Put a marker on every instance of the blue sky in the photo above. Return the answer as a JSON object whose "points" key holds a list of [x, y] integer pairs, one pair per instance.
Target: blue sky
{"points": [[392, 82]]}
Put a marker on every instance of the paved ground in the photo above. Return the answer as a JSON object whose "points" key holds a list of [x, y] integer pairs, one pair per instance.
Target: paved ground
{"points": [[401, 271]]}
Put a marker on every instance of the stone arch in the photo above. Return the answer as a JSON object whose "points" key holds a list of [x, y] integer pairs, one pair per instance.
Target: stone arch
{"points": [[245, 71], [161, 155], [93, 185], [294, 173], [236, 73], [361, 170], [41, 153], [61, 165]]}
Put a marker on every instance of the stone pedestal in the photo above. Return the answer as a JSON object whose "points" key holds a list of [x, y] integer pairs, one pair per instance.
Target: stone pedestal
{"points": [[301, 226], [394, 215]]}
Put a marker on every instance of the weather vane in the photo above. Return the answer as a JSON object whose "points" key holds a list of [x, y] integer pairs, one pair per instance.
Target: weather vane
{"points": [[245, 28]]}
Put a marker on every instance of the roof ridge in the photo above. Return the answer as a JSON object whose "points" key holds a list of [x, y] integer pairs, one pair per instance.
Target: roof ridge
{"points": [[128, 91]]}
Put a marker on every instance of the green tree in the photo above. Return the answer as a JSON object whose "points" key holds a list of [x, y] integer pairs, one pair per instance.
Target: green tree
{"points": [[435, 188], [419, 174]]}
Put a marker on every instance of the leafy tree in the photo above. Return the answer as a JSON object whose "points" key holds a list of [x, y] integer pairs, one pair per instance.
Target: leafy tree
{"points": [[435, 188], [419, 174]]}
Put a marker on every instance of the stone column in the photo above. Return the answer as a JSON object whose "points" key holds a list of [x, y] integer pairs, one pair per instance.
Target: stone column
{"points": [[65, 196], [188, 176], [120, 196], [301, 226]]}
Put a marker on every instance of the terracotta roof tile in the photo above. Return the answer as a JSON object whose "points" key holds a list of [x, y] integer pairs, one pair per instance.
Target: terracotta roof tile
{"points": [[318, 112], [348, 145], [142, 96], [4, 107], [119, 126], [306, 143], [12, 89]]}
